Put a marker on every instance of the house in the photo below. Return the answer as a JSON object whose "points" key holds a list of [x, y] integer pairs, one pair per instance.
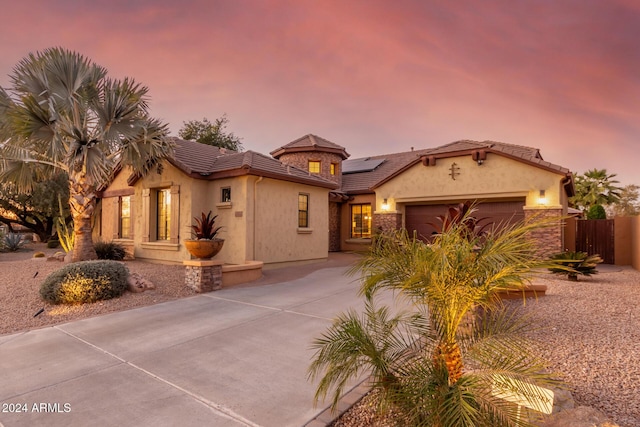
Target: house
{"points": [[309, 198], [269, 211], [410, 189]]}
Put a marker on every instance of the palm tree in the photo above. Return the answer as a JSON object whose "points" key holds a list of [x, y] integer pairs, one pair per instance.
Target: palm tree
{"points": [[470, 350], [62, 112], [595, 187]]}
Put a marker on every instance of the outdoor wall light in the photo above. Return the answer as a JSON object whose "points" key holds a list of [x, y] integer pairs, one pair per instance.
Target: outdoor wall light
{"points": [[542, 198], [385, 205]]}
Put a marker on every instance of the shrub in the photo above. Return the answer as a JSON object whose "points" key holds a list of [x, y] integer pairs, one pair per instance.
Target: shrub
{"points": [[39, 255], [13, 242], [110, 250], [53, 243], [574, 263], [596, 212], [86, 281]]}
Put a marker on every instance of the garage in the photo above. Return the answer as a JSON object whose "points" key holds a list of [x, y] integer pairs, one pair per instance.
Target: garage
{"points": [[420, 218]]}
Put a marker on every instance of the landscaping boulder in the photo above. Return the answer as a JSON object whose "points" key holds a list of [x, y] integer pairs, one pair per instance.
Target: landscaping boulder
{"points": [[136, 283], [582, 416]]}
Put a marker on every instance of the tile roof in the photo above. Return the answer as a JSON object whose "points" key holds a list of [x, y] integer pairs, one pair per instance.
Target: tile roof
{"points": [[207, 162], [310, 142], [365, 182]]}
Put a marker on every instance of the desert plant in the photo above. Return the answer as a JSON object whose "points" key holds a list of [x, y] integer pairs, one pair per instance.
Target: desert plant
{"points": [[110, 250], [66, 236], [462, 217], [13, 242], [446, 371], [84, 282], [53, 243], [205, 227], [575, 263], [39, 255]]}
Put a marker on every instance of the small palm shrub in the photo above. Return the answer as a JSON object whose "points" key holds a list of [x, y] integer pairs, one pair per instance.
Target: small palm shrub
{"points": [[110, 250], [13, 242], [86, 281], [575, 263]]}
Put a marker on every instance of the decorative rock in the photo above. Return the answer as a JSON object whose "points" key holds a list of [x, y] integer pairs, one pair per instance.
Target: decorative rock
{"points": [[58, 256], [582, 416], [137, 283]]}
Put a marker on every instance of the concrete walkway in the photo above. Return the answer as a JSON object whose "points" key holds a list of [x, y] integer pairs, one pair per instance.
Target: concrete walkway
{"points": [[235, 357]]}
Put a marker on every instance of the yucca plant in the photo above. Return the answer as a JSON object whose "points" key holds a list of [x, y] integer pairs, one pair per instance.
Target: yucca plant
{"points": [[451, 370], [205, 227], [575, 263]]}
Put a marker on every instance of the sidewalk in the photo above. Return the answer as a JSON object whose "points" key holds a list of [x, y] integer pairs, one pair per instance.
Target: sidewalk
{"points": [[235, 357]]}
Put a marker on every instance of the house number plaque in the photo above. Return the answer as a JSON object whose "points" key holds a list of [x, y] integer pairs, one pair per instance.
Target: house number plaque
{"points": [[454, 171]]}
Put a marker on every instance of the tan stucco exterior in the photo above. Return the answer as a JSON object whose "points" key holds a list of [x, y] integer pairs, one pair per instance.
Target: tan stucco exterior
{"points": [[498, 178], [259, 223]]}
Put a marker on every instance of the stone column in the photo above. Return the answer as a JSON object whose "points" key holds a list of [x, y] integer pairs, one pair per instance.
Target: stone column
{"points": [[386, 221], [203, 275], [549, 239]]}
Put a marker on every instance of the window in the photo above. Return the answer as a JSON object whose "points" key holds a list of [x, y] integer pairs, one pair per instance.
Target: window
{"points": [[303, 210], [361, 221], [334, 168], [225, 195], [314, 166], [163, 214], [125, 218]]}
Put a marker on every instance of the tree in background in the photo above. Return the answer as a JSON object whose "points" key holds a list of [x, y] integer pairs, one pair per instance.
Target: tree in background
{"points": [[209, 133], [38, 209], [596, 212], [628, 204], [62, 113], [595, 187]]}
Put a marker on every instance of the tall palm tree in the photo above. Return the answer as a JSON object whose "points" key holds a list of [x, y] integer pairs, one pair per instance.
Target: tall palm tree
{"points": [[469, 352], [595, 187], [62, 112]]}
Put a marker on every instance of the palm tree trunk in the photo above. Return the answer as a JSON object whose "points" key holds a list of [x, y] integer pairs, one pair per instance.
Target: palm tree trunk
{"points": [[449, 353], [82, 200]]}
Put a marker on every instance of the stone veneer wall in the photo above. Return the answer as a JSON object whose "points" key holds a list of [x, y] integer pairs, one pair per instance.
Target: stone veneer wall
{"points": [[334, 227], [387, 221], [301, 160], [203, 276], [548, 239]]}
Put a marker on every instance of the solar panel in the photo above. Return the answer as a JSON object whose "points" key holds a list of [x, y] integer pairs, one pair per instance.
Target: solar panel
{"points": [[365, 164]]}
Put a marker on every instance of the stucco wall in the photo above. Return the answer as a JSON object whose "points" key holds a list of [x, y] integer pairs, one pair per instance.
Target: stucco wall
{"points": [[497, 177], [271, 205], [275, 214]]}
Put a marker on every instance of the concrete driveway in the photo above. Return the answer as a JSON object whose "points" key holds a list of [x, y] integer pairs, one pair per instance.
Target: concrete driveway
{"points": [[235, 357]]}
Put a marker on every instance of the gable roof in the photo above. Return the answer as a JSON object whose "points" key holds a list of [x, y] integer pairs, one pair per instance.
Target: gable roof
{"points": [[395, 164], [311, 142], [201, 161]]}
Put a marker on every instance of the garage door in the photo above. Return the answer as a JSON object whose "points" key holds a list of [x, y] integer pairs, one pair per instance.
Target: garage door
{"points": [[418, 217]]}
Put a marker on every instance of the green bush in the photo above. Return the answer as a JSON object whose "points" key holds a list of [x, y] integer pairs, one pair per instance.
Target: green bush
{"points": [[596, 212], [86, 281], [53, 243], [110, 250]]}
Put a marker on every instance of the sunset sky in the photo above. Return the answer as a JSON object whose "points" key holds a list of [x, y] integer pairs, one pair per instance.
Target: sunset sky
{"points": [[373, 76]]}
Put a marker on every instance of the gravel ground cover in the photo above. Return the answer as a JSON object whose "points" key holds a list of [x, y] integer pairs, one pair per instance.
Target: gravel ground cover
{"points": [[21, 277], [589, 331]]}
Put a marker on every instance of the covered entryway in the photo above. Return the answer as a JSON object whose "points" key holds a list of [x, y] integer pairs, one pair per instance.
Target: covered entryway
{"points": [[419, 217]]}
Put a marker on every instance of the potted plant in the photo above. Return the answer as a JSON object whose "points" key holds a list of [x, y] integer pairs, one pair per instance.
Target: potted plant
{"points": [[205, 245]]}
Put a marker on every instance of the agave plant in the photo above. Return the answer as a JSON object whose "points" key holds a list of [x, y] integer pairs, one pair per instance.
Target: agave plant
{"points": [[441, 369], [575, 263], [204, 228], [13, 242]]}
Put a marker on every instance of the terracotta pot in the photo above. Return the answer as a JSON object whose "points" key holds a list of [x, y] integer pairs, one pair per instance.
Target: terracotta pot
{"points": [[204, 249]]}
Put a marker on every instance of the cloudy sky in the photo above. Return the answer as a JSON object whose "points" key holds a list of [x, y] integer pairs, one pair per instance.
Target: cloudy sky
{"points": [[376, 76]]}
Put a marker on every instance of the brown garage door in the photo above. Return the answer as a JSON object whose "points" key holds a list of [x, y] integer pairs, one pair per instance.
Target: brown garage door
{"points": [[418, 217]]}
